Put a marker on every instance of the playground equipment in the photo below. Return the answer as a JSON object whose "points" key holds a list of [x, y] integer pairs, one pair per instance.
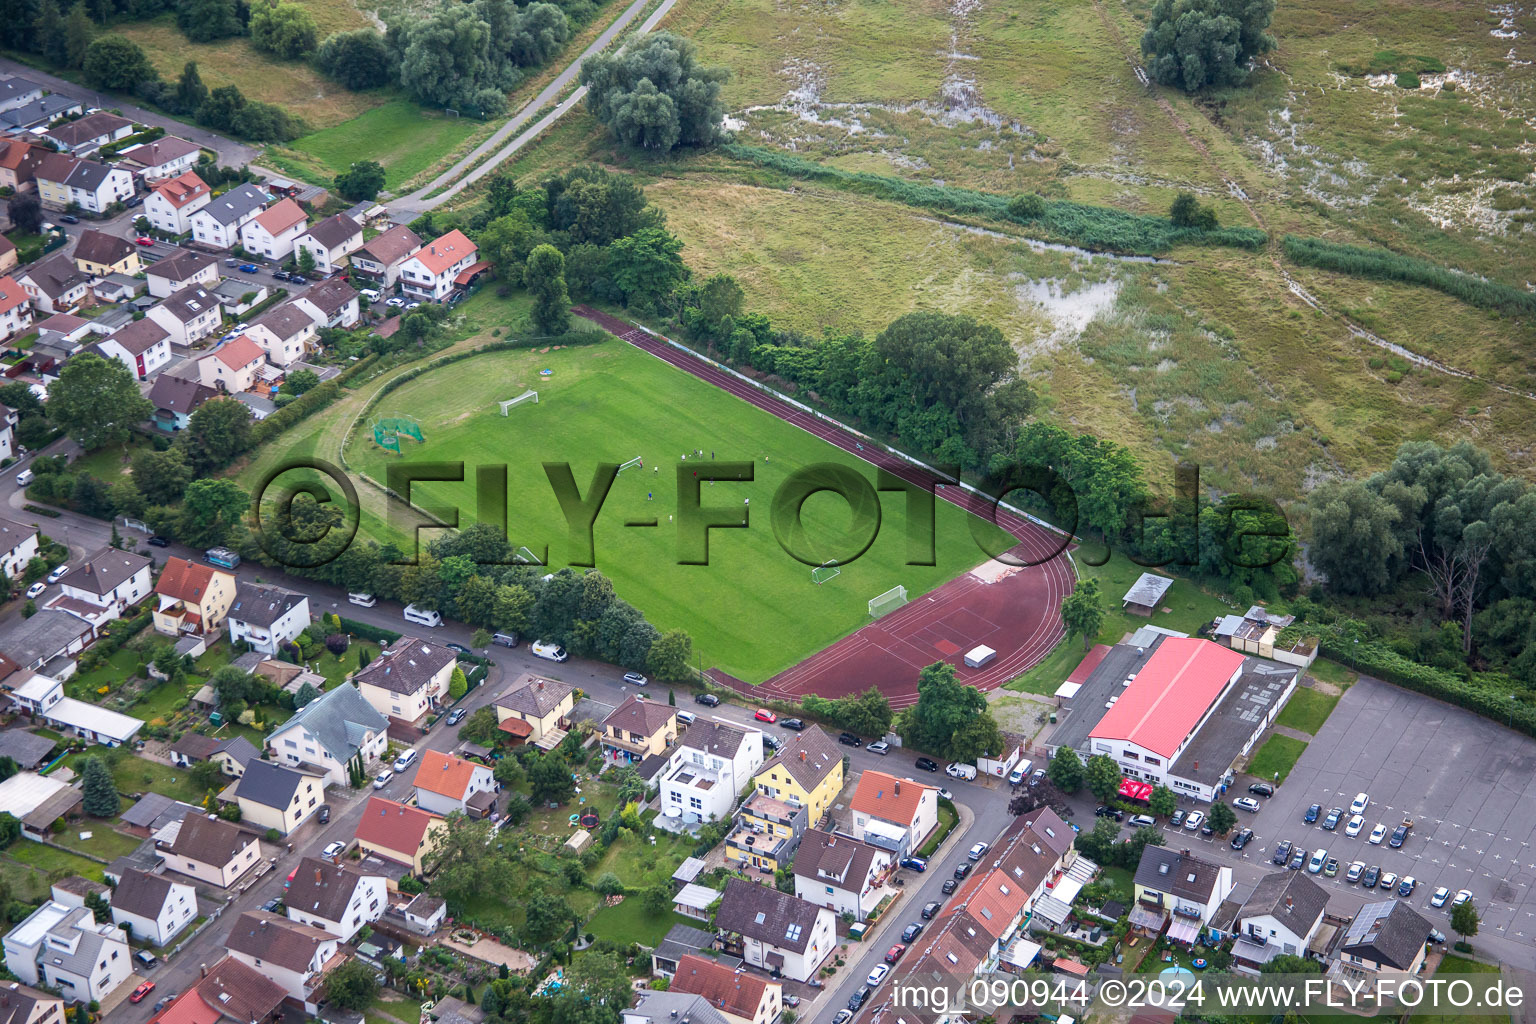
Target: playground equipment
{"points": [[388, 430]]}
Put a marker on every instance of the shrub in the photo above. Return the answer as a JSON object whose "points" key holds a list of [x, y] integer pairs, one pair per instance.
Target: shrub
{"points": [[1385, 265]]}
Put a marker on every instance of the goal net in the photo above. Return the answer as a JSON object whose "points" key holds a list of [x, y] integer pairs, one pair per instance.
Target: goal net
{"points": [[824, 572], [509, 403], [632, 463], [523, 556], [888, 601]]}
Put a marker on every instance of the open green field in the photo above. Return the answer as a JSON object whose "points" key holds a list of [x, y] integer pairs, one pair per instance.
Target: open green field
{"points": [[628, 922], [400, 135], [752, 610], [1307, 710], [1279, 754]]}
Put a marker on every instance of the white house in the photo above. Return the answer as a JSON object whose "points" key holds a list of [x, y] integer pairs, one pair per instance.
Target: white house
{"points": [[445, 784], [179, 270], [144, 346], [8, 421], [219, 222], [18, 546], [154, 907], [18, 92], [1280, 918], [234, 366], [293, 956], [62, 180], [328, 732], [429, 273], [284, 332], [266, 617], [382, 257], [840, 873], [86, 135], [188, 316], [108, 581], [330, 241], [331, 303], [1182, 885], [408, 679], [55, 284], [774, 930], [171, 204], [712, 762], [271, 233], [64, 948], [212, 850], [15, 309], [43, 696], [165, 157], [892, 813], [335, 898]]}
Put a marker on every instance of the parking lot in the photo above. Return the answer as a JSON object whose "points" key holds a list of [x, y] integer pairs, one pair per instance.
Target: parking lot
{"points": [[1468, 785]]}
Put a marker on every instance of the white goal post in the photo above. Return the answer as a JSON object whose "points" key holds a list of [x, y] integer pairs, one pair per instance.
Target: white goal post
{"points": [[632, 463], [888, 601], [825, 571], [509, 403]]}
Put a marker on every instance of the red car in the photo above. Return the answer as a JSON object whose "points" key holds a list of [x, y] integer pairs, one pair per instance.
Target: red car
{"points": [[145, 240], [894, 953], [142, 991], [764, 715]]}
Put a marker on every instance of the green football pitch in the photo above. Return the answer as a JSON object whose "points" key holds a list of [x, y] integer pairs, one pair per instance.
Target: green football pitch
{"points": [[753, 610]]}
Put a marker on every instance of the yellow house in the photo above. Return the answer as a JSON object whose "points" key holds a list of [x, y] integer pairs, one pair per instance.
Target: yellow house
{"points": [[192, 598], [808, 772], [100, 254], [534, 708], [399, 833], [766, 834], [271, 796], [638, 729]]}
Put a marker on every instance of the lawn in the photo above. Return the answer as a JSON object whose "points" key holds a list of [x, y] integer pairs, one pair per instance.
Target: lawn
{"points": [[1452, 966], [112, 462], [752, 610], [1050, 673], [390, 1007], [1278, 755], [104, 842], [948, 819], [335, 669], [1332, 672], [49, 859], [162, 700], [112, 672], [640, 864], [628, 922], [400, 135], [1122, 880], [28, 245], [1307, 710], [136, 775]]}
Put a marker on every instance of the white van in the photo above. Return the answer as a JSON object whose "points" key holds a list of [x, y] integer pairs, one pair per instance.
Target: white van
{"points": [[1020, 772], [961, 771], [23, 478], [423, 616], [404, 761], [549, 651], [363, 600]]}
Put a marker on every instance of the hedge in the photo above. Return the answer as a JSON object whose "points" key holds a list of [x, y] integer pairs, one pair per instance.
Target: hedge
{"points": [[378, 634], [1385, 265], [309, 403], [1094, 227], [1377, 659]]}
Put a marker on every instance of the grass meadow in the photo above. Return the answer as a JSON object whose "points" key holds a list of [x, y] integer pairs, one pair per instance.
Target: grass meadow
{"points": [[400, 135]]}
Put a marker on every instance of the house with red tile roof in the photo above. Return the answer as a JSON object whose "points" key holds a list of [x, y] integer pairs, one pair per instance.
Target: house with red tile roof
{"points": [[399, 832], [234, 366], [272, 232], [430, 271], [445, 783], [894, 814], [192, 597], [15, 309], [742, 998], [171, 204]]}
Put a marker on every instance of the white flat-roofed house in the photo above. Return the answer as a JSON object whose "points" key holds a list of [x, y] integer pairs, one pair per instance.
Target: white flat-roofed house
{"points": [[266, 617], [271, 233], [171, 204], [330, 241], [64, 948], [712, 762], [218, 223], [187, 316], [154, 907]]}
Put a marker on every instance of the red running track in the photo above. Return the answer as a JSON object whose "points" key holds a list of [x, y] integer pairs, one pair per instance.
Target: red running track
{"points": [[1017, 616]]}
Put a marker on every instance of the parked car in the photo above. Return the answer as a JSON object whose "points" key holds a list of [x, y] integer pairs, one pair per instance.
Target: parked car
{"points": [[771, 744], [382, 779], [1282, 852], [247, 268], [1105, 811], [1378, 834], [165, 1000], [158, 541], [1355, 871], [142, 991], [1037, 778], [1315, 865], [1372, 874], [1355, 825], [709, 700], [793, 724], [849, 739], [324, 814], [1407, 885], [231, 262], [334, 850], [877, 975], [1437, 936], [36, 589], [405, 760], [147, 959], [1192, 821], [1331, 869], [1440, 897], [144, 240], [1399, 834], [272, 905], [1312, 812], [961, 771], [926, 764], [894, 953], [457, 715], [790, 1000], [857, 1000], [1331, 822], [686, 717], [914, 863], [1246, 803], [1388, 881], [879, 747], [395, 303], [764, 715], [842, 1016], [58, 574], [1298, 859], [1242, 839], [1361, 802], [912, 931], [962, 869], [133, 201], [1177, 818], [635, 679], [1262, 789], [949, 886], [931, 908], [978, 851], [504, 639], [1462, 896], [69, 218]]}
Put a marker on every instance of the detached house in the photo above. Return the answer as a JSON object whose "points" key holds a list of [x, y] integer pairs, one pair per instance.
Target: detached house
{"points": [[445, 784], [165, 157], [18, 163], [175, 399], [429, 273], [808, 772], [55, 284], [271, 796], [39, 112], [381, 259], [144, 346], [86, 135], [739, 997], [328, 732], [408, 678], [1177, 883], [189, 315], [219, 222], [212, 850], [231, 992], [712, 762], [1279, 919], [64, 948], [152, 906], [267, 617], [271, 232], [780, 933], [18, 92], [399, 833], [638, 729], [284, 332], [894, 814], [331, 303], [102, 586], [840, 873], [180, 270], [15, 309], [231, 754], [532, 709], [171, 204], [295, 957], [101, 254], [22, 1005], [1385, 940], [234, 367], [62, 180], [330, 240], [335, 898], [193, 598]]}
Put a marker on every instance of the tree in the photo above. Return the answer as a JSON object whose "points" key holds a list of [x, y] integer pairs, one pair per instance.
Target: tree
{"points": [[10, 831], [358, 59], [656, 95], [1290, 963], [546, 914], [656, 899], [362, 182], [592, 205], [1163, 802], [1102, 775], [544, 277], [78, 32], [207, 776], [1026, 206], [480, 638], [507, 242], [458, 686], [480, 727], [975, 738], [1183, 210], [306, 693], [945, 706], [191, 93], [647, 265], [213, 508], [1083, 612], [671, 657], [351, 985], [301, 381], [1195, 44], [114, 62], [600, 978], [1465, 920], [283, 29], [27, 213], [304, 260], [204, 21], [1221, 818], [48, 29], [162, 477], [217, 432], [1066, 770], [98, 791], [96, 400], [550, 781], [8, 767]]}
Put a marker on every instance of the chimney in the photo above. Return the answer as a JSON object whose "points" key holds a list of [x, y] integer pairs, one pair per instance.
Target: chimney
{"points": [[1288, 903], [263, 923], [1197, 766], [802, 755], [202, 970], [318, 878], [897, 790]]}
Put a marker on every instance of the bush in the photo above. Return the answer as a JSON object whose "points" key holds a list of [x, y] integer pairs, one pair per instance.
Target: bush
{"points": [[1385, 265], [609, 884]]}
